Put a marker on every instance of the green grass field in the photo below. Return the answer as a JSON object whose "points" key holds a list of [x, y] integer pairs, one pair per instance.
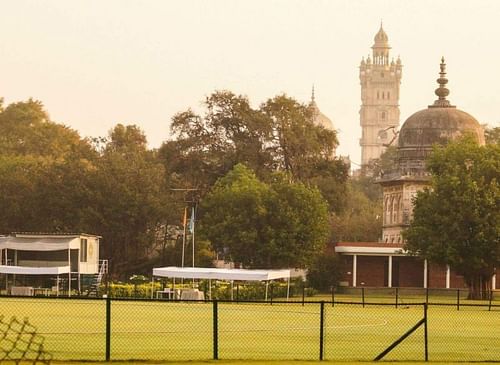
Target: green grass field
{"points": [[147, 330]]}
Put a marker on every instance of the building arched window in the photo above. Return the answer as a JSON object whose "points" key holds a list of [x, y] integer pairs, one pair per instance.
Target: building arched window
{"points": [[382, 116]]}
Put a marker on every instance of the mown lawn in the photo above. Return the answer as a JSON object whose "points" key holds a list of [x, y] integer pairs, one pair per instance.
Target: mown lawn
{"points": [[151, 330]]}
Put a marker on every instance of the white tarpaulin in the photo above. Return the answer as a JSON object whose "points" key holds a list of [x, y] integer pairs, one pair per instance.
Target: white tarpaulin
{"points": [[38, 244], [27, 270], [220, 274]]}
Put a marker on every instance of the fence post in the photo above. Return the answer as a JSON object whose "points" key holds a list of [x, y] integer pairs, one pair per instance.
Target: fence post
{"points": [[363, 296], [303, 293], [426, 295], [396, 297], [458, 299], [321, 329], [272, 286], [333, 296], [426, 340], [491, 298], [108, 328], [216, 330]]}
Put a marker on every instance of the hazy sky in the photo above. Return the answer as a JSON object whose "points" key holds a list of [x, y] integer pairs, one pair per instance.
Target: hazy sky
{"points": [[97, 63]]}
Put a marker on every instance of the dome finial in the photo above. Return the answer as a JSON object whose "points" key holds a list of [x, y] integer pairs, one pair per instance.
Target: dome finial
{"points": [[312, 95], [442, 92]]}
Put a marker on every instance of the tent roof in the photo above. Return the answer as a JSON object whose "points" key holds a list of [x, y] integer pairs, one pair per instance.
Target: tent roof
{"points": [[220, 274], [39, 244], [28, 270]]}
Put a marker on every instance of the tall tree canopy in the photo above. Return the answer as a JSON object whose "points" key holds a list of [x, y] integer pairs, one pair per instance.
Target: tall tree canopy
{"points": [[44, 170], [492, 135], [280, 224], [129, 198], [457, 221], [278, 136]]}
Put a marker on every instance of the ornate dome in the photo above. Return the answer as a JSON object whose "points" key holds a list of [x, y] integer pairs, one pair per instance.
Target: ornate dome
{"points": [[440, 123], [381, 37]]}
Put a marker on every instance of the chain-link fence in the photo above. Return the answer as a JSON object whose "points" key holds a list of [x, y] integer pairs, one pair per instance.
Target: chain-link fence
{"points": [[124, 329]]}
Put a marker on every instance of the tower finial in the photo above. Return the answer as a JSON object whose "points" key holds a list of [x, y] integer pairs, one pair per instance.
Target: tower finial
{"points": [[442, 92], [312, 95]]}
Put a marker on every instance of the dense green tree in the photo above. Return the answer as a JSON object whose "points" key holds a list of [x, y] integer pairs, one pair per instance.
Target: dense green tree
{"points": [[129, 199], [262, 225], [297, 145], [44, 170], [279, 136], [492, 135], [325, 272], [25, 129], [361, 220], [206, 147], [457, 221]]}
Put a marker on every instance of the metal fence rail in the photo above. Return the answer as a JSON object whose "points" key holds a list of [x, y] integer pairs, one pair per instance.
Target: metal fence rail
{"points": [[126, 329]]}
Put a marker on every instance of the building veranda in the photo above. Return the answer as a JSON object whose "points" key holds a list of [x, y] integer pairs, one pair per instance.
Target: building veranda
{"points": [[50, 264]]}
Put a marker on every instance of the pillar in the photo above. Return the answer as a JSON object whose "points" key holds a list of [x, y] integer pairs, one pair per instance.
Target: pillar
{"points": [[354, 269], [389, 274], [425, 273], [447, 276]]}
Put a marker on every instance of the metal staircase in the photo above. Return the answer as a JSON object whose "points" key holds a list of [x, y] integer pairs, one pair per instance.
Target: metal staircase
{"points": [[94, 287]]}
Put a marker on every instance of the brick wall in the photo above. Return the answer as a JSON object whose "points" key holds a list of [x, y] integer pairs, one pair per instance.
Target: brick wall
{"points": [[408, 272], [372, 270]]}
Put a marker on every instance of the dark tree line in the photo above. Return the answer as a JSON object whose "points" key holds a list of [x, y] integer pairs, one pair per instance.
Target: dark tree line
{"points": [[53, 180]]}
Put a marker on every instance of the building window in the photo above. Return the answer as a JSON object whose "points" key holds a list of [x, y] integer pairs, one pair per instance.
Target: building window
{"points": [[83, 250], [388, 95], [382, 116]]}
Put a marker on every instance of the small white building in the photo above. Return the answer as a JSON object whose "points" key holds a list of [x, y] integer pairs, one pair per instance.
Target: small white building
{"points": [[31, 261]]}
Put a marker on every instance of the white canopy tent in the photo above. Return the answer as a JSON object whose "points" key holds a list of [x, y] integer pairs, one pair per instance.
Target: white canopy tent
{"points": [[223, 274], [26, 270]]}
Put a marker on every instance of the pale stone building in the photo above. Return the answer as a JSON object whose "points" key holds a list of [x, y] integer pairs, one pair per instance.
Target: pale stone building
{"points": [[386, 264], [379, 114], [439, 123]]}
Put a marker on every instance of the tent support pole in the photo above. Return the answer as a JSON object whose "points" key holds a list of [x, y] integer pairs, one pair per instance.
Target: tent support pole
{"points": [[267, 285], [15, 264], [152, 285], [287, 288], [210, 288], [69, 273]]}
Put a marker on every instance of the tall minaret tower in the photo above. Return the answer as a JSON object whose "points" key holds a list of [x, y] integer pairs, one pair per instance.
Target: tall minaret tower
{"points": [[379, 113]]}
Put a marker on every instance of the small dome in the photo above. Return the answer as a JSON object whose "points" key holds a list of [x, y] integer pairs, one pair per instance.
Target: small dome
{"points": [[319, 118], [381, 37]]}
